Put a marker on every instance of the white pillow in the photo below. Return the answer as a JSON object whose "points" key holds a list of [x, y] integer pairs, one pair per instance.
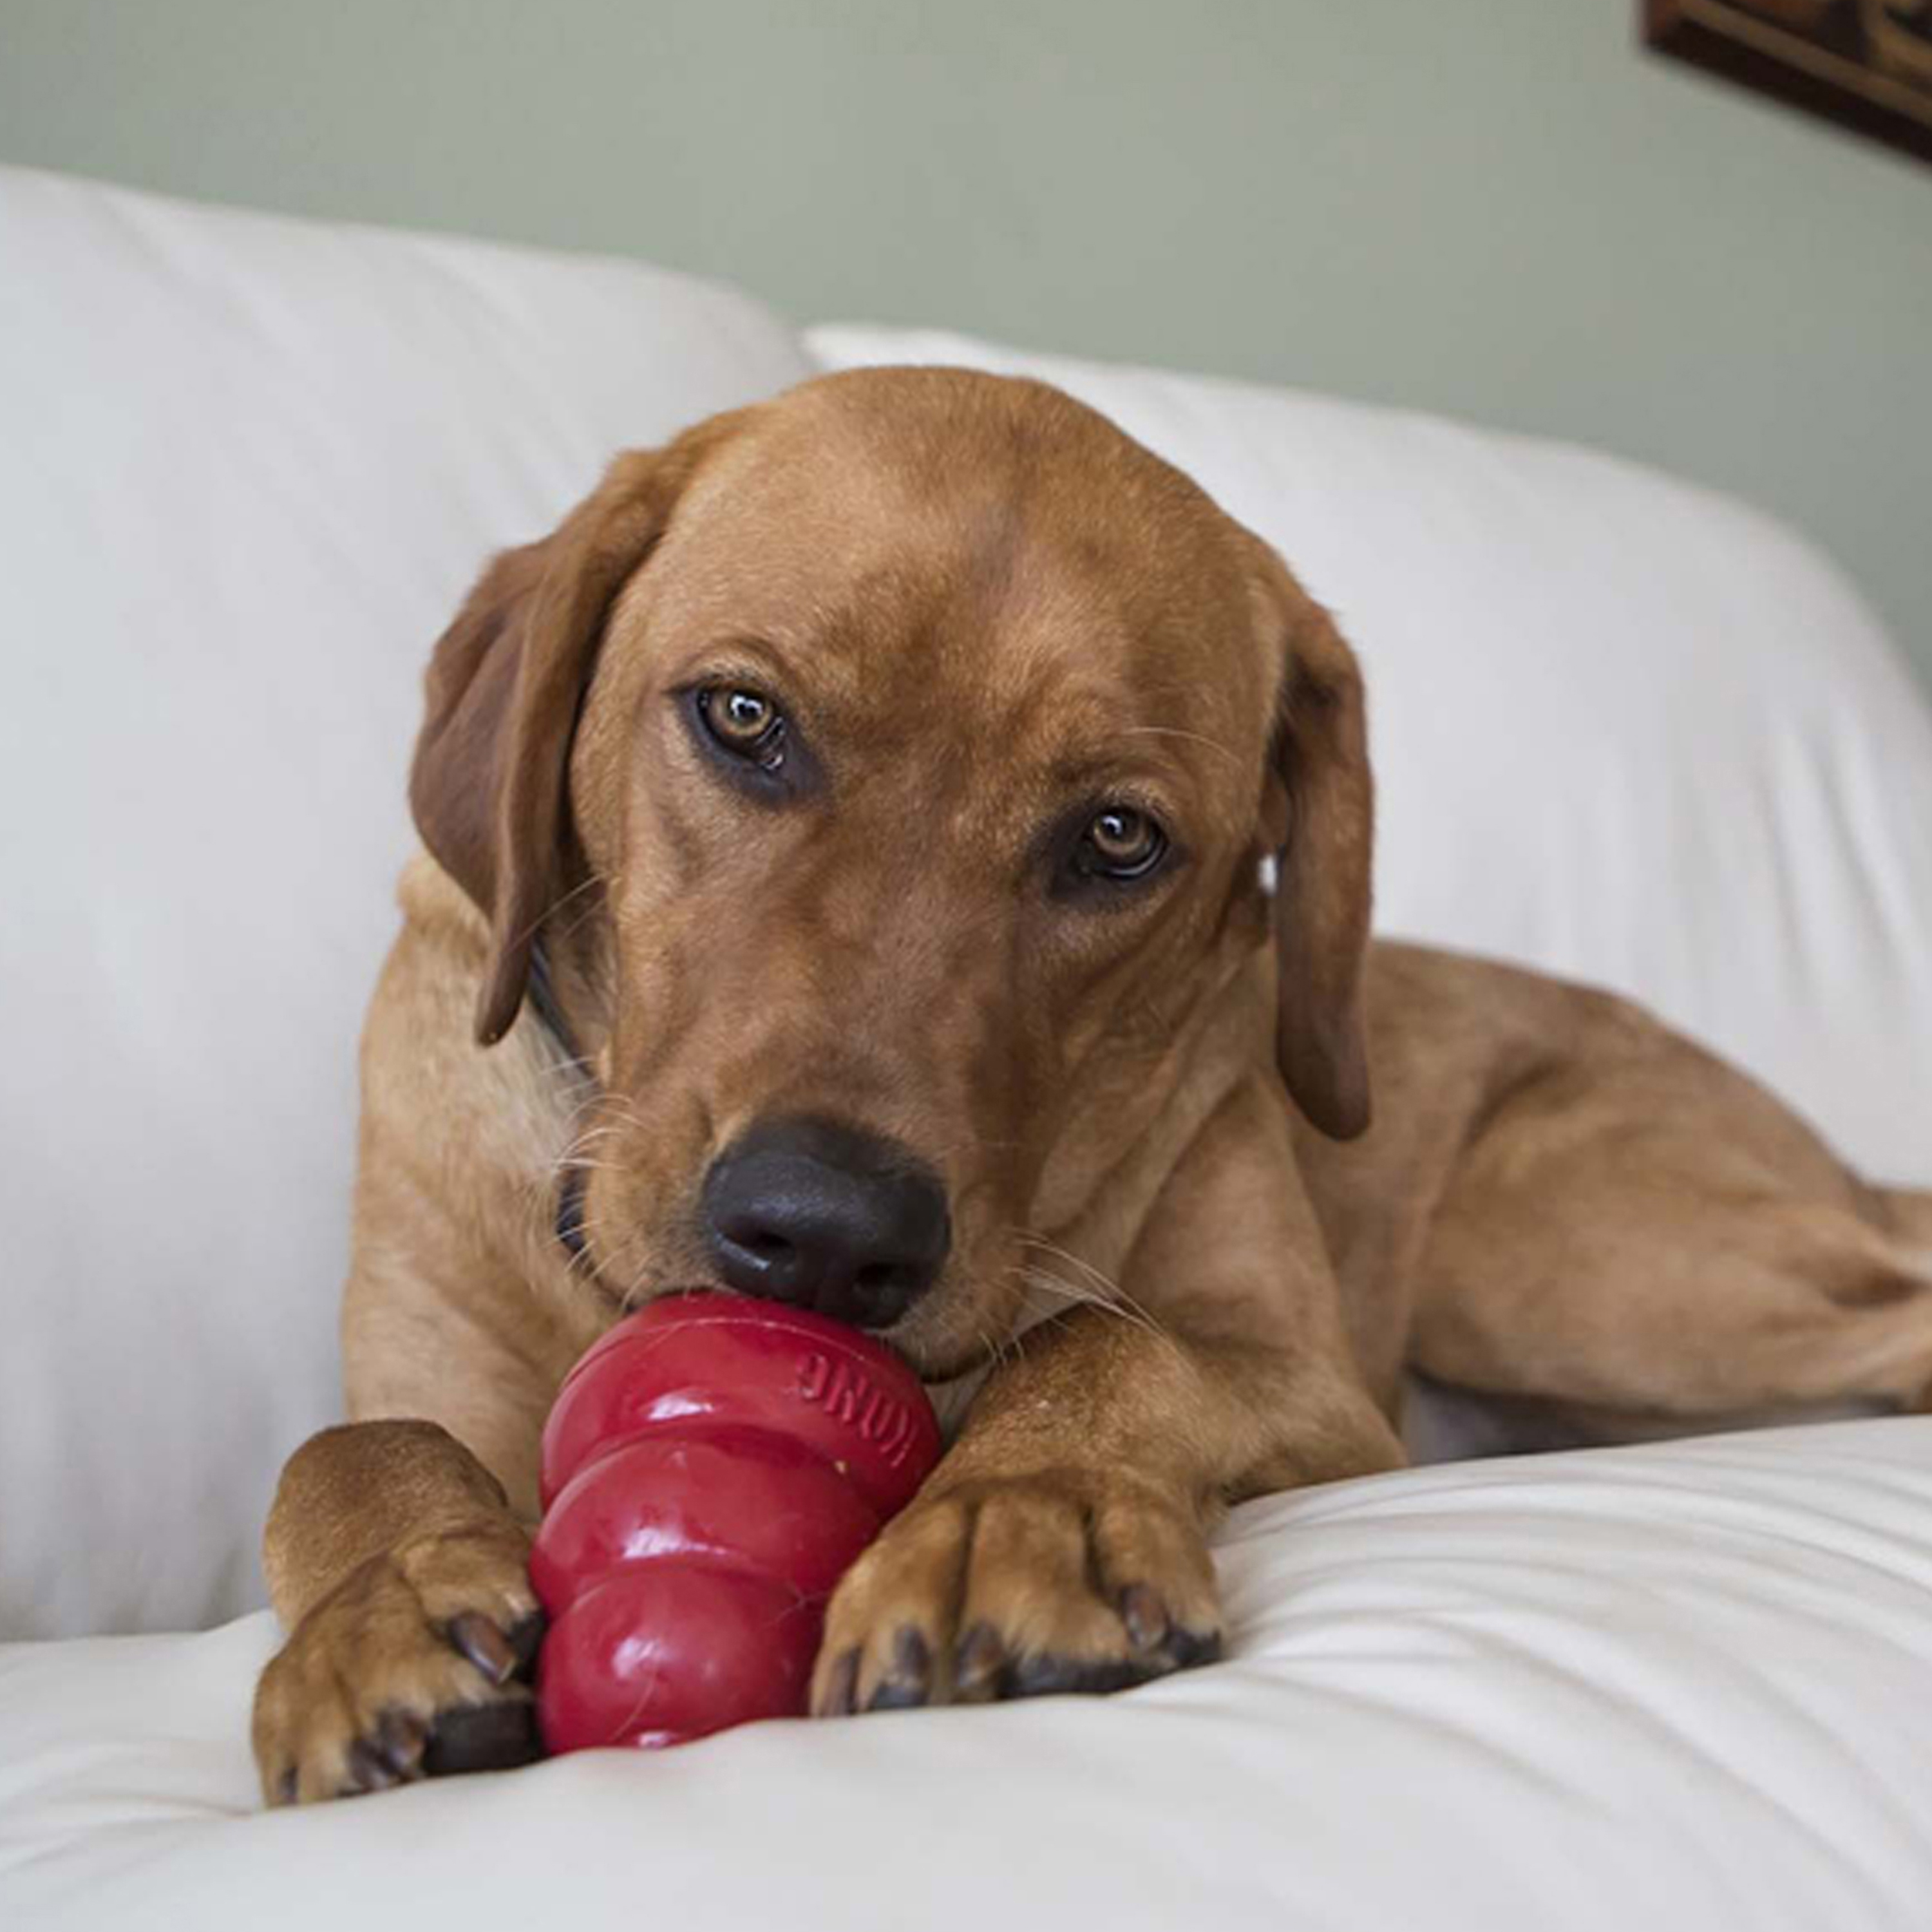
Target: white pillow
{"points": [[1625, 729], [1680, 1689], [248, 466]]}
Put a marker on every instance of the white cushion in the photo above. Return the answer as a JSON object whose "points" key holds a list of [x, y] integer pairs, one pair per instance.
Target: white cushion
{"points": [[248, 468], [1678, 1688], [1625, 729]]}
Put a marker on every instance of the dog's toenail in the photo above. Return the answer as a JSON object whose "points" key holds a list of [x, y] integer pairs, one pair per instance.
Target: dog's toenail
{"points": [[912, 1657], [841, 1689], [485, 1644], [401, 1737], [1191, 1649], [978, 1659], [366, 1768], [906, 1686], [1145, 1616]]}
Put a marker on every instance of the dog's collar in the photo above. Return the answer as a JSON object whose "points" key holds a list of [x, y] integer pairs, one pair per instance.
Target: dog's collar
{"points": [[542, 993], [569, 1218]]}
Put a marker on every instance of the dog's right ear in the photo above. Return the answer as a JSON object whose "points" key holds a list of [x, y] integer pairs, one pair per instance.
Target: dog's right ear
{"points": [[506, 685], [1324, 794]]}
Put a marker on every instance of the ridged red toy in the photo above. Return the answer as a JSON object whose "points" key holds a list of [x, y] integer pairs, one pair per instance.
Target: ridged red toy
{"points": [[711, 1468]]}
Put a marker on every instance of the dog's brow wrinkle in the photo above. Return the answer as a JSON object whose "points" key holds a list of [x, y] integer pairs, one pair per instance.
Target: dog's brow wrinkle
{"points": [[1176, 731]]}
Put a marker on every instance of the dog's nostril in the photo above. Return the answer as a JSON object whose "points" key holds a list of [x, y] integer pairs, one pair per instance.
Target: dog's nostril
{"points": [[881, 1294], [891, 1286], [807, 1211]]}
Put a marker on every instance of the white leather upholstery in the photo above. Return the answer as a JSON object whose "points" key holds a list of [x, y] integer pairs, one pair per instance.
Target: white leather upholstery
{"points": [[248, 466], [1677, 1689]]}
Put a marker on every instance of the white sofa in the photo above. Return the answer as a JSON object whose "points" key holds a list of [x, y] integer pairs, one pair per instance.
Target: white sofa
{"points": [[1624, 729]]}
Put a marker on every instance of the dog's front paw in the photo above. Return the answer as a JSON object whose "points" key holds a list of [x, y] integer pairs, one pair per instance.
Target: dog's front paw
{"points": [[1017, 1588], [418, 1663]]}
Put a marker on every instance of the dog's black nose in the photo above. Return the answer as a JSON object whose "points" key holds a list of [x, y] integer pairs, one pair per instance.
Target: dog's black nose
{"points": [[817, 1214]]}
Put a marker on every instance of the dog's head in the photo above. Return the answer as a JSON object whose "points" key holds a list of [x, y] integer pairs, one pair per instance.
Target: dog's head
{"points": [[896, 760]]}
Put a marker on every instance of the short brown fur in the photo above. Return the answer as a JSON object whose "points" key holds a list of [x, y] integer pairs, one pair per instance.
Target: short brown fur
{"points": [[985, 607]]}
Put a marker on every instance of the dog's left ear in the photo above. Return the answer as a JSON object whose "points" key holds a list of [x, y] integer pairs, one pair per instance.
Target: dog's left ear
{"points": [[1321, 790], [488, 784]]}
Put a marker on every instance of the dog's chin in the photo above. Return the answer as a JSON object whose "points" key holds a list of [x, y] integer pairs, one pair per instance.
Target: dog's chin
{"points": [[944, 1342]]}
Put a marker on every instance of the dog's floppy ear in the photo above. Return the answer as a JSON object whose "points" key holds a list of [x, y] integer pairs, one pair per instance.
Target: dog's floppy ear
{"points": [[505, 683], [1321, 790]]}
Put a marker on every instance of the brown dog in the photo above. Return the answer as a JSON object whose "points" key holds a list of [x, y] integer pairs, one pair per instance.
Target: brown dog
{"points": [[844, 883]]}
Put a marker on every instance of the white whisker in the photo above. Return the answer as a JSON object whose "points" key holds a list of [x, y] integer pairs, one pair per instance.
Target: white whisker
{"points": [[550, 911], [1099, 1290], [1175, 731]]}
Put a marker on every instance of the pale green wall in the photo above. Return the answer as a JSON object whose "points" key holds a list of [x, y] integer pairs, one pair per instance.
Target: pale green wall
{"points": [[1498, 208]]}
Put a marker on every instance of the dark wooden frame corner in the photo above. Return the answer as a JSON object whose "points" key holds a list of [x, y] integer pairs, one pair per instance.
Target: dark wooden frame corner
{"points": [[1725, 37]]}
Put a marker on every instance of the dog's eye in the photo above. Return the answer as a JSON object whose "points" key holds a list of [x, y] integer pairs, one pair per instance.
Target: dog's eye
{"points": [[744, 722], [1121, 843]]}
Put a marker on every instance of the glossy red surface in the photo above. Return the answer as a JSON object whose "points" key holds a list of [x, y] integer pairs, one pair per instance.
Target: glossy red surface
{"points": [[659, 1652], [729, 1360], [711, 1468], [746, 1497]]}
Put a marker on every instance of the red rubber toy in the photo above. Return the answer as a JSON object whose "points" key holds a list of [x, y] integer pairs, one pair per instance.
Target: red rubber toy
{"points": [[710, 1470]]}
